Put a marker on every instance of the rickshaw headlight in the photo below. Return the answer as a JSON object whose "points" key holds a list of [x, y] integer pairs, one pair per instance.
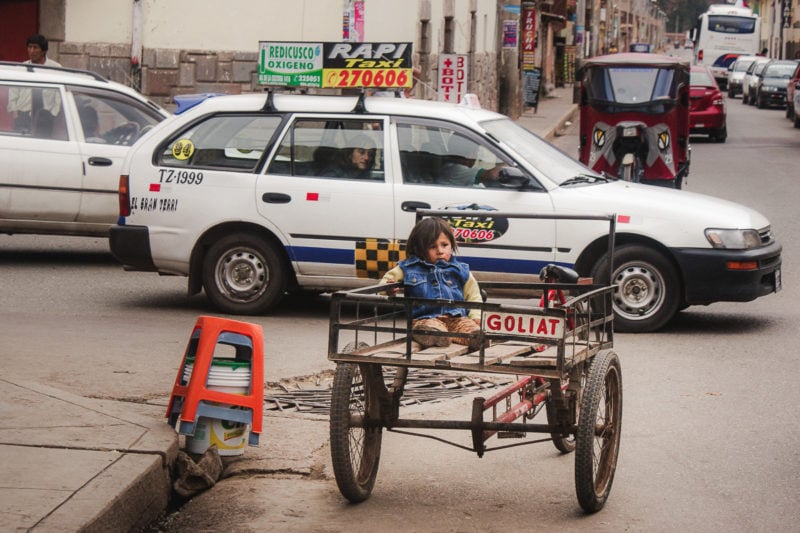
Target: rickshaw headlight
{"points": [[630, 131], [733, 239]]}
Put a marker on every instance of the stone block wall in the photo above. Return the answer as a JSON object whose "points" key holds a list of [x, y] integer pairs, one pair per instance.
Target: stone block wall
{"points": [[166, 73]]}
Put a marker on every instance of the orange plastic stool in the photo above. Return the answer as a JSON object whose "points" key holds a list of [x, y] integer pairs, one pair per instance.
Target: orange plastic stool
{"points": [[191, 400]]}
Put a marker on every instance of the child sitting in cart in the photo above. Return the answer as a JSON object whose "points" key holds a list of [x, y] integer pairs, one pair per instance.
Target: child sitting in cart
{"points": [[431, 271]]}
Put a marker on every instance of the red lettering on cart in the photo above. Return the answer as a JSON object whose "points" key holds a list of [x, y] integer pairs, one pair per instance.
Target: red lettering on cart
{"points": [[535, 325]]}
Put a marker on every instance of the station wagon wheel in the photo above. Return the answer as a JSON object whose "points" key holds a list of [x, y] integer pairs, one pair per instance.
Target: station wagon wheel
{"points": [[646, 288], [598, 436], [243, 274], [355, 431]]}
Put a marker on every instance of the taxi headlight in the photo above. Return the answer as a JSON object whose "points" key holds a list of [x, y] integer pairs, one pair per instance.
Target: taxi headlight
{"points": [[733, 239]]}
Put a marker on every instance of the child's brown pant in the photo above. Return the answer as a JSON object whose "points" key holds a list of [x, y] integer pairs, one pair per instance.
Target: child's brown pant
{"points": [[455, 324]]}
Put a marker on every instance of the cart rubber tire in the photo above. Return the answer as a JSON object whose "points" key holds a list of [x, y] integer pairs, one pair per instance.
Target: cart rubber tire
{"points": [[647, 289], [355, 450], [565, 443], [243, 274], [598, 436]]}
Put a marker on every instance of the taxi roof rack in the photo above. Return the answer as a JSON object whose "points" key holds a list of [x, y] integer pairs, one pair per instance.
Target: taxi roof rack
{"points": [[269, 105], [33, 67], [361, 107]]}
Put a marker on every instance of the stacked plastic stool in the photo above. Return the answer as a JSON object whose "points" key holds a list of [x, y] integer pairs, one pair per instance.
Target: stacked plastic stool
{"points": [[192, 398]]}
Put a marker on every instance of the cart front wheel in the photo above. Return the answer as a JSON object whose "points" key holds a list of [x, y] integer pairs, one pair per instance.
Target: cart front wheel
{"points": [[599, 425], [355, 429]]}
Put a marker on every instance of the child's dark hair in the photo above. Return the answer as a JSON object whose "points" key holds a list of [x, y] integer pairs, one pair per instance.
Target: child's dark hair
{"points": [[425, 233]]}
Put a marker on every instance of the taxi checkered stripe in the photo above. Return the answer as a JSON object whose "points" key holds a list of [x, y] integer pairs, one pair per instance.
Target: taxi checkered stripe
{"points": [[375, 257]]}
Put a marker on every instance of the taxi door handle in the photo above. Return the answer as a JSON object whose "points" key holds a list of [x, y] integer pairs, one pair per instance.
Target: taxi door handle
{"points": [[275, 198], [100, 162], [410, 207]]}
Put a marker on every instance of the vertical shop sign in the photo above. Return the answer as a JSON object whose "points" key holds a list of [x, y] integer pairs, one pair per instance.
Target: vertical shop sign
{"points": [[453, 76], [528, 38], [509, 34], [353, 20]]}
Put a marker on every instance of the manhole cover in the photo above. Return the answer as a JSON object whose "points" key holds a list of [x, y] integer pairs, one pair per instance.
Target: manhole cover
{"points": [[313, 394]]}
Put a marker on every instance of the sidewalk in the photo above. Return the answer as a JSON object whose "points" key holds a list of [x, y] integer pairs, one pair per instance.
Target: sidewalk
{"points": [[553, 112], [71, 463]]}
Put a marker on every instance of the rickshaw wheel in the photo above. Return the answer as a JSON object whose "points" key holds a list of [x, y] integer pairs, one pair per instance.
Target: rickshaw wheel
{"points": [[565, 442], [599, 426], [355, 429]]}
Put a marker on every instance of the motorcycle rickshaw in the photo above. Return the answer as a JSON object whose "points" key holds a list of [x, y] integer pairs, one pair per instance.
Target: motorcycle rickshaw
{"points": [[634, 117]]}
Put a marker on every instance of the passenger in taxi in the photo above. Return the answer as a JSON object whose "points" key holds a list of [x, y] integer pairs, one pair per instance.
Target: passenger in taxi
{"points": [[355, 161], [431, 271]]}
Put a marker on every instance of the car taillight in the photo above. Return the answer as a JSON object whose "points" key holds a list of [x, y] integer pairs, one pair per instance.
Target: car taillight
{"points": [[717, 100], [699, 56], [124, 196]]}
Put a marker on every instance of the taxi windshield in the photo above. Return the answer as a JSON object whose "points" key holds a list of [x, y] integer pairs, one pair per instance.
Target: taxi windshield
{"points": [[548, 160]]}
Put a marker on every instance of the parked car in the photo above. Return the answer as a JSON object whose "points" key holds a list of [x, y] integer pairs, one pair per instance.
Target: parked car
{"points": [[791, 88], [707, 114], [750, 79], [736, 74], [771, 86], [251, 196], [63, 136]]}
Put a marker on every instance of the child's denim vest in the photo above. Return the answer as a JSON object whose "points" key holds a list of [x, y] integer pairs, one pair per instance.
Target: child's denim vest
{"points": [[440, 281]]}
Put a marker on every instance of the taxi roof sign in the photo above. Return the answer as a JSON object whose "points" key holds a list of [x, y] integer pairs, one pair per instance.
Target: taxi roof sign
{"points": [[335, 65]]}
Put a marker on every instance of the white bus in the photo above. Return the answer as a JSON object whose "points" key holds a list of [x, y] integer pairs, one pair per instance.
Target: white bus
{"points": [[722, 34]]}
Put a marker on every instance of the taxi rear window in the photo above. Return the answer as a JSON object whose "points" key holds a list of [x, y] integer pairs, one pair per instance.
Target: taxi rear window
{"points": [[232, 142]]}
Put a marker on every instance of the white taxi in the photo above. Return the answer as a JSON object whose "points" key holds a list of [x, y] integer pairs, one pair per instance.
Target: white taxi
{"points": [[251, 196]]}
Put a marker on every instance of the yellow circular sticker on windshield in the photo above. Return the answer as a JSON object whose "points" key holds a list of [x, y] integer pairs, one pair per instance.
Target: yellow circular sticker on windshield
{"points": [[182, 149]]}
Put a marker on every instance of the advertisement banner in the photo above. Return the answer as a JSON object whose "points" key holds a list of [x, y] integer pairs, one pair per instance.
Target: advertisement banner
{"points": [[509, 34], [328, 65], [528, 38], [453, 77]]}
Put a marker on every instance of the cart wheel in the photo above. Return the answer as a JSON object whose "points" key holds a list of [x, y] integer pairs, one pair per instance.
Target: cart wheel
{"points": [[599, 425], [355, 429], [564, 442]]}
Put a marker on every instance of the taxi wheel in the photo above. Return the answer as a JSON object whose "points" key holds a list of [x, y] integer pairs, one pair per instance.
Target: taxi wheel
{"points": [[243, 275], [647, 289]]}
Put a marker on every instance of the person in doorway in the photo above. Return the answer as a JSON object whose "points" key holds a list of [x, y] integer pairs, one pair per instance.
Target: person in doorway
{"points": [[431, 271], [37, 51], [28, 102]]}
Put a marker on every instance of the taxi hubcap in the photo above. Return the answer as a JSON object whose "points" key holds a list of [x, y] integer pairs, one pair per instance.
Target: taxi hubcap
{"points": [[639, 291], [242, 274]]}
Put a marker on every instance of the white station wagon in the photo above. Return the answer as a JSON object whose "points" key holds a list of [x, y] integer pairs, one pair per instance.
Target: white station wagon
{"points": [[252, 196], [63, 136]]}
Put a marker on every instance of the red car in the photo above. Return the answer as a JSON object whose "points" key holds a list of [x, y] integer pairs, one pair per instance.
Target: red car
{"points": [[707, 111]]}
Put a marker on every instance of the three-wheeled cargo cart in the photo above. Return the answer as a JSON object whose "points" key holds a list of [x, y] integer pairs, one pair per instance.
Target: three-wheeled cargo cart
{"points": [[555, 338]]}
